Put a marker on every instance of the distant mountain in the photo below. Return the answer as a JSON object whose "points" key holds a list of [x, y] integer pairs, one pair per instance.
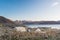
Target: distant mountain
{"points": [[37, 22], [6, 22]]}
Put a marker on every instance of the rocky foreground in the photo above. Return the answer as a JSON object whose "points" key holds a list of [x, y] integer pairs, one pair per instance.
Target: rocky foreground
{"points": [[7, 33]]}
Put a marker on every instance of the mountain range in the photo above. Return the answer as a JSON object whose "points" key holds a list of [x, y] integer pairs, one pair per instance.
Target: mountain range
{"points": [[7, 22], [37, 22]]}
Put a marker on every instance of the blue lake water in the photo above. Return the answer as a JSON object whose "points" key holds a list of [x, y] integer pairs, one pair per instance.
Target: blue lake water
{"points": [[50, 25]]}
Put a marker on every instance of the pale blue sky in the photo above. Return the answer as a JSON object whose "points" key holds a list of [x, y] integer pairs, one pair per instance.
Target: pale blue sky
{"points": [[30, 9]]}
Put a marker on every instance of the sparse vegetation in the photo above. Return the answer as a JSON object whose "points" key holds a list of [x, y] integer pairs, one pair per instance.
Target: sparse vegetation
{"points": [[14, 35]]}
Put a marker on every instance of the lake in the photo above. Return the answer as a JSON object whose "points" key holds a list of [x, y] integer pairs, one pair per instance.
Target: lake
{"points": [[47, 25]]}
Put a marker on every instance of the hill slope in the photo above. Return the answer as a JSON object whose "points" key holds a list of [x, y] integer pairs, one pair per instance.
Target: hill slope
{"points": [[6, 22]]}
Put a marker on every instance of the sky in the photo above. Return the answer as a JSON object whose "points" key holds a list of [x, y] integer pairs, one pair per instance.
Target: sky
{"points": [[31, 10]]}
